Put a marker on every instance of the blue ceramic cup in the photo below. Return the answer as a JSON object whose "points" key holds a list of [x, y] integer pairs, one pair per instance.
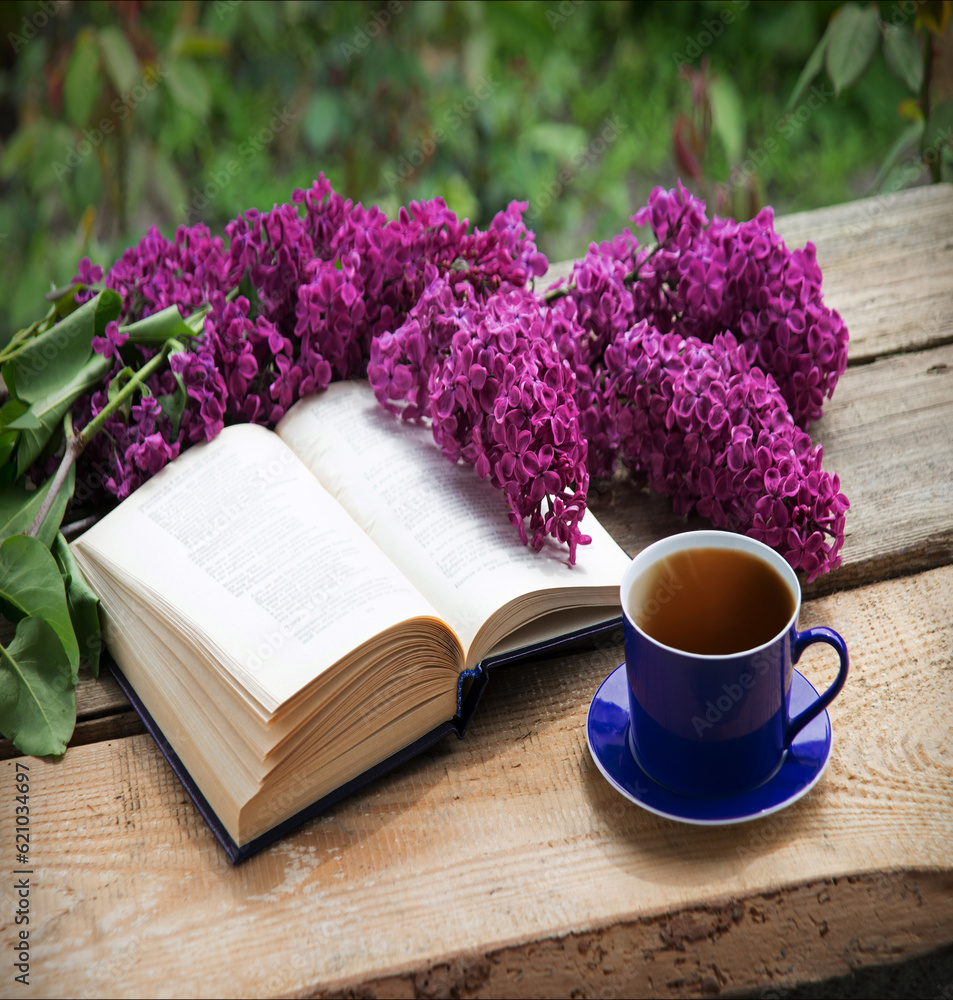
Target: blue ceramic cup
{"points": [[710, 645]]}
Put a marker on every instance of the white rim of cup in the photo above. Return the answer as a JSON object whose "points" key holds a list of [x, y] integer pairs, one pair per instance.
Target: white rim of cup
{"points": [[709, 538]]}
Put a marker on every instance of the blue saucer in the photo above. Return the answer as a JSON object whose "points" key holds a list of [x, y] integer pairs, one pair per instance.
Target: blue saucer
{"points": [[803, 764]]}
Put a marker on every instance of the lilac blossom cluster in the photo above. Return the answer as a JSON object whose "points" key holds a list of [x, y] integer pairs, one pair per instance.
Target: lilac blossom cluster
{"points": [[715, 434], [748, 352], [705, 278], [324, 278], [698, 361], [486, 370]]}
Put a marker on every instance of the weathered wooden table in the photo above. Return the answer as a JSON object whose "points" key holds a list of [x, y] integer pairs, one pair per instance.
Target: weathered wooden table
{"points": [[504, 864]]}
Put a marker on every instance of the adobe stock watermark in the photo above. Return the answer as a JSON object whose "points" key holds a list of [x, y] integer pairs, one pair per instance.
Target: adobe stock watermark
{"points": [[557, 17], [789, 124], [31, 26], [722, 708], [712, 29], [217, 181], [462, 111], [371, 29], [612, 128], [760, 839], [121, 109]]}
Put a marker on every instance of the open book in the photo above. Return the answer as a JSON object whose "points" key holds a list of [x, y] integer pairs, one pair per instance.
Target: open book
{"points": [[293, 608]]}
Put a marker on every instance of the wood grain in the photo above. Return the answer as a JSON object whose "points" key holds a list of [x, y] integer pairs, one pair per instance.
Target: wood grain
{"points": [[888, 433], [684, 954], [504, 863]]}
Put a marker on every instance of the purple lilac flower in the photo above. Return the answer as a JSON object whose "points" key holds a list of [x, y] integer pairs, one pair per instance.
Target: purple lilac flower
{"points": [[704, 279], [126, 452], [716, 435], [488, 374], [695, 359], [108, 346], [597, 309], [87, 274], [157, 273]]}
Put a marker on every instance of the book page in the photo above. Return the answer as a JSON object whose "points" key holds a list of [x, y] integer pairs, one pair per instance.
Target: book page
{"points": [[448, 530], [238, 543]]}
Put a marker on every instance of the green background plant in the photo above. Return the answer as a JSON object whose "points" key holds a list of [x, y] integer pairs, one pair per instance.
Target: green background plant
{"points": [[219, 106]]}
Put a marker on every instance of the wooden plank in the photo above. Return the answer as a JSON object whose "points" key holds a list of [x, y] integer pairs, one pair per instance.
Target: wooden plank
{"points": [[888, 433], [506, 859], [116, 724], [684, 954], [887, 265]]}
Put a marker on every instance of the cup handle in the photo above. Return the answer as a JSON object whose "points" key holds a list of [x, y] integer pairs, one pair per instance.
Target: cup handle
{"points": [[801, 641]]}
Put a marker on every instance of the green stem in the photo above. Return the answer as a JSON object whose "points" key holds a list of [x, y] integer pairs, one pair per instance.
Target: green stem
{"points": [[126, 392], [76, 443], [21, 337]]}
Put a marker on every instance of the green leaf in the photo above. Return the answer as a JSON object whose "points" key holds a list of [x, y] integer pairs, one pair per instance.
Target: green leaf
{"points": [[52, 408], [167, 184], [558, 139], [155, 330], [903, 56], [81, 86], [30, 582], [122, 66], [58, 294], [64, 300], [8, 441], [728, 116], [83, 604], [19, 507], [246, 288], [25, 422], [11, 411], [37, 700], [189, 88], [854, 33], [53, 358], [812, 67], [173, 405]]}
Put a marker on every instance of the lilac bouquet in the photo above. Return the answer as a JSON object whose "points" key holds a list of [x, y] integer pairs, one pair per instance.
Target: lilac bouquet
{"points": [[697, 361]]}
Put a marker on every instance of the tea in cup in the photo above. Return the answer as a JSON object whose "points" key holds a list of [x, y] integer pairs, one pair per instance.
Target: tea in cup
{"points": [[709, 621]]}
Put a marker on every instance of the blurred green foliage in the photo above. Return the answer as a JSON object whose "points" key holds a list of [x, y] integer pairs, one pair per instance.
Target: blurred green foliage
{"points": [[115, 116]]}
